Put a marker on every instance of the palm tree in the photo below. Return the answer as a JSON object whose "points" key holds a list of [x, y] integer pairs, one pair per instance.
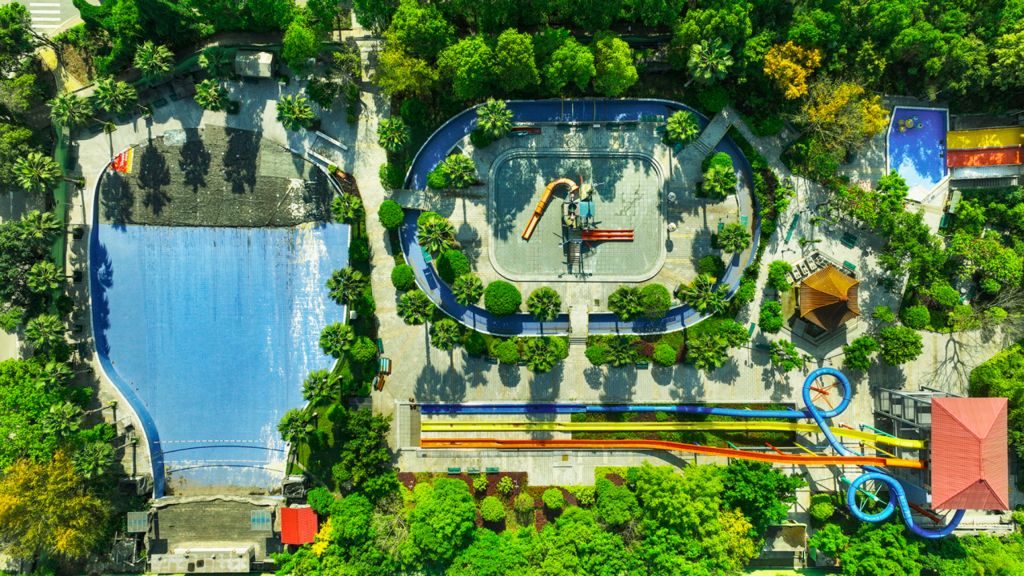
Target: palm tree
{"points": [[336, 338], [70, 111], [682, 126], [210, 95], [467, 289], [444, 334], [154, 61], [346, 285], [45, 330], [216, 62], [703, 296], [53, 375], [346, 207], [415, 307], [436, 234], [621, 350], [494, 118], [707, 351], [544, 304], [625, 302], [320, 386], [719, 181], [538, 354], [39, 226], [297, 425], [94, 460], [734, 237], [709, 61], [113, 96], [459, 171], [62, 420], [36, 172], [44, 276], [393, 134], [294, 112]]}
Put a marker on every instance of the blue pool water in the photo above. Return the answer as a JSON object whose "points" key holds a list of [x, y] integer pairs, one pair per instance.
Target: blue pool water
{"points": [[209, 333], [919, 154]]}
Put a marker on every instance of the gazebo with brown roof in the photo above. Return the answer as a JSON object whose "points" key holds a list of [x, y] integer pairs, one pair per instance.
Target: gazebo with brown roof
{"points": [[829, 298]]}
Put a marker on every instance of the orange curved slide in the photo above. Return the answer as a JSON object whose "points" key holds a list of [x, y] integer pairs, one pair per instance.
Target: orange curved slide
{"points": [[543, 202], [675, 446]]}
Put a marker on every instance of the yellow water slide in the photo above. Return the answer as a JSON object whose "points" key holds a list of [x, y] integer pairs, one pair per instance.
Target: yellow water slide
{"points": [[988, 138]]}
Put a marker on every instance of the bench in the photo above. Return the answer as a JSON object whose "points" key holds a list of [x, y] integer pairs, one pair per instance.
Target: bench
{"points": [[720, 226], [384, 366], [764, 347], [426, 255], [124, 118], [380, 346], [743, 220], [564, 127], [378, 382], [849, 266], [492, 470], [944, 223], [491, 360], [472, 470], [454, 471], [847, 242], [160, 103], [751, 331], [642, 365], [660, 129], [95, 128]]}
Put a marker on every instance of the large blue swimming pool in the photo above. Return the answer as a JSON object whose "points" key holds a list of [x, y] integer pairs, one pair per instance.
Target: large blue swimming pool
{"points": [[209, 333], [918, 152]]}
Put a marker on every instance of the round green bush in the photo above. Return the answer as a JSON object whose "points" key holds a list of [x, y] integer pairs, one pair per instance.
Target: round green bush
{"points": [[504, 486], [359, 251], [392, 176], [821, 512], [452, 264], [553, 498], [508, 352], [480, 138], [390, 214], [491, 509], [436, 180], [746, 292], [425, 217], [655, 300], [364, 349], [713, 99], [664, 355], [777, 271], [502, 298], [403, 277], [884, 314], [711, 264], [916, 317], [524, 502], [770, 318], [475, 343], [597, 354], [320, 500], [944, 294], [989, 285]]}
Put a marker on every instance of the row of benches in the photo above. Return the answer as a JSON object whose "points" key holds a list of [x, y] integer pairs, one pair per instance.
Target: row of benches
{"points": [[456, 471], [494, 360]]}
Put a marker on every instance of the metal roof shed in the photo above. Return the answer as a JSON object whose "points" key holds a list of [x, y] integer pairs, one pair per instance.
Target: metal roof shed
{"points": [[253, 63]]}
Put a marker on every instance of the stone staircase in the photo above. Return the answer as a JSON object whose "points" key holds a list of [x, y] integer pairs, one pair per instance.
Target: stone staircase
{"points": [[579, 324]]}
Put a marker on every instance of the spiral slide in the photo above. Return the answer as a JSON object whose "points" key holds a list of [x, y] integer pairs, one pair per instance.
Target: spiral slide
{"points": [[898, 496], [769, 426], [543, 202]]}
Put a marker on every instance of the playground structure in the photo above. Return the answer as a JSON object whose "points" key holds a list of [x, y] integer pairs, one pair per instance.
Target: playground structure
{"points": [[813, 391], [539, 211]]}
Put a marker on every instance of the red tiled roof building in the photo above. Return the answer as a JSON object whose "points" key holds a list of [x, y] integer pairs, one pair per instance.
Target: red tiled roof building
{"points": [[969, 454], [298, 525]]}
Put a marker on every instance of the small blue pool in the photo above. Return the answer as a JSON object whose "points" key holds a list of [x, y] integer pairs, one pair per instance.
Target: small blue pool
{"points": [[917, 145], [209, 333]]}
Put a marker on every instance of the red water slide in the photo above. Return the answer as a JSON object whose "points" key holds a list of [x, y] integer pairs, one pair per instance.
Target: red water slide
{"points": [[674, 446], [1001, 156], [599, 235]]}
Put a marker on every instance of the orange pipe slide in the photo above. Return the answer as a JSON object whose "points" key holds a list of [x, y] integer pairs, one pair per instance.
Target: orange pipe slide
{"points": [[543, 202], [1003, 156], [597, 235], [659, 445]]}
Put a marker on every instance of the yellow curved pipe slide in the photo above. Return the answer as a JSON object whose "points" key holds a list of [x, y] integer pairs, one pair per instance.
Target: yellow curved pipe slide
{"points": [[510, 426]]}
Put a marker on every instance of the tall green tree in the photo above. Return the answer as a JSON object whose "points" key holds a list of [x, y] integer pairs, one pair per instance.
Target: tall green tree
{"points": [[37, 173], [399, 72], [297, 426], [613, 61], [544, 304], [94, 459], [572, 63], [734, 237], [113, 96], [494, 118], [347, 285], [24, 411], [764, 494], [881, 549], [375, 14], [216, 62], [513, 62], [155, 61], [421, 29], [364, 458], [702, 295], [468, 65], [44, 276], [70, 110], [44, 331], [39, 226], [709, 61], [301, 43], [16, 37], [682, 127], [321, 386], [441, 524]]}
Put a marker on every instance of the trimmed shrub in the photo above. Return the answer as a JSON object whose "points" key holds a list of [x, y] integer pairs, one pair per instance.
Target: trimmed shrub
{"points": [[504, 486], [414, 110], [560, 346], [479, 482], [359, 251], [390, 214], [597, 355], [475, 343], [553, 499], [436, 180], [392, 176], [664, 355], [943, 293], [502, 298], [916, 317], [884, 314], [425, 217], [655, 300], [364, 349], [480, 138], [746, 292], [777, 271], [508, 352], [713, 99], [771, 317], [821, 512], [491, 509], [524, 502], [452, 264], [712, 265], [403, 277]]}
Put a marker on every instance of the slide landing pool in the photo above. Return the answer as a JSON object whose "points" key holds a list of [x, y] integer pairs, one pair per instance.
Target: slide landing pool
{"points": [[918, 153], [209, 333]]}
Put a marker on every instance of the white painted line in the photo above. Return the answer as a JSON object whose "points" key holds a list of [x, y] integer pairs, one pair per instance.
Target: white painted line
{"points": [[46, 19], [42, 4], [34, 12], [46, 25]]}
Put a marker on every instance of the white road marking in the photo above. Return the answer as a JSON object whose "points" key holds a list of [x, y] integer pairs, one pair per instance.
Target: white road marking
{"points": [[46, 25], [42, 4], [46, 19], [34, 12]]}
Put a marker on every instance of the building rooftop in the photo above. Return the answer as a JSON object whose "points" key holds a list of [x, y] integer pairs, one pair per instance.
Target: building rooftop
{"points": [[969, 458]]}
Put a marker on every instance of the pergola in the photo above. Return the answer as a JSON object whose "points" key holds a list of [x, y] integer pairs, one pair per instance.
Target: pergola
{"points": [[828, 298]]}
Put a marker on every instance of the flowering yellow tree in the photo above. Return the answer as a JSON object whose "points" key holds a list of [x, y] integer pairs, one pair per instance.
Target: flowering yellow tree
{"points": [[323, 538], [789, 66], [841, 114]]}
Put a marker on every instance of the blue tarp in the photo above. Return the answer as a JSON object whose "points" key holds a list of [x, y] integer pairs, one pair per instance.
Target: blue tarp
{"points": [[209, 333]]}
